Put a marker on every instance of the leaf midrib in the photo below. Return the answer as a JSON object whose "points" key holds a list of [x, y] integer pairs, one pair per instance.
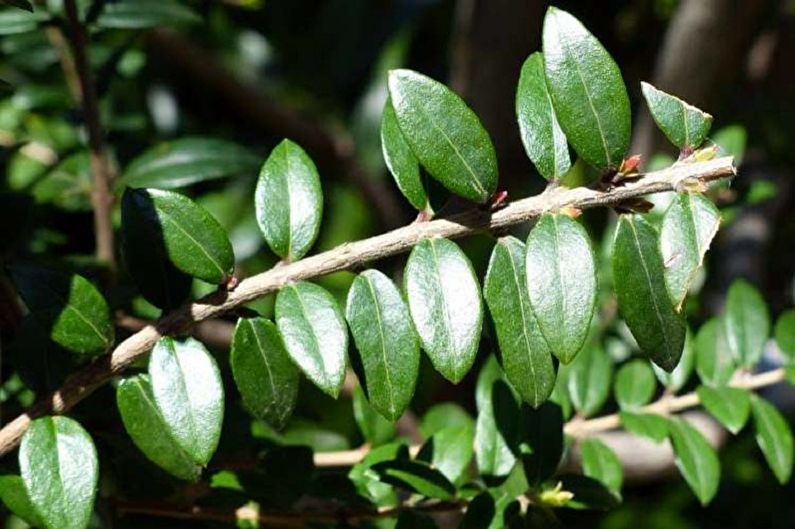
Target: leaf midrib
{"points": [[377, 311]]}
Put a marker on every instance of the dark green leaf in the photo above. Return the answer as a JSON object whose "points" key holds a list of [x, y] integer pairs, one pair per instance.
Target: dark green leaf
{"points": [[263, 371], [714, 362], [496, 428], [148, 430], [314, 334], [647, 425], [588, 493], [445, 304], [643, 297], [375, 429], [695, 459], [414, 520], [679, 377], [635, 384], [185, 161], [689, 225], [386, 341], [15, 497], [493, 509], [541, 438], [774, 437], [444, 415], [683, 124], [58, 464], [730, 406], [68, 185], [450, 451], [143, 14], [747, 323], [601, 463], [525, 354], [561, 282], [444, 134], [785, 334], [68, 306], [21, 4], [193, 240], [367, 481], [14, 21], [587, 90], [400, 161], [589, 379], [542, 137], [289, 201], [415, 476], [186, 385]]}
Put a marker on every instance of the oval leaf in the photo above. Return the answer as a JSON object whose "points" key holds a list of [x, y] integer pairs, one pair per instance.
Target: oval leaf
{"points": [[58, 464], [543, 139], [695, 459], [587, 90], [68, 306], [561, 282], [542, 442], [149, 431], [635, 384], [263, 371], [683, 124], [730, 406], [450, 450], [714, 362], [444, 134], [415, 476], [186, 385], [688, 227], [386, 340], [525, 354], [785, 334], [747, 323], [289, 201], [14, 495], [774, 437], [643, 297], [194, 241], [185, 161], [601, 463], [375, 429], [400, 160], [493, 440], [445, 305], [589, 378], [646, 425], [314, 334]]}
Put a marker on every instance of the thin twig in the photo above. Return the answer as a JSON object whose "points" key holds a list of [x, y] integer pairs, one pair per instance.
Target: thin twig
{"points": [[343, 257]]}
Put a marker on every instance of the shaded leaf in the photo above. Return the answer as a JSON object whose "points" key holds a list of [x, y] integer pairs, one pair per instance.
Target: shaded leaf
{"points": [[561, 282], [683, 124], [375, 429], [263, 371], [730, 406], [774, 437], [541, 438], [589, 378], [496, 428], [444, 134], [16, 499], [714, 362], [444, 301], [415, 476], [414, 520], [601, 463], [646, 425], [444, 415], [143, 14], [289, 201], [695, 459], [747, 323], [544, 141], [679, 377], [785, 334], [21, 4], [314, 334], [635, 384], [400, 160], [588, 493], [68, 185], [525, 355], [14, 21], [450, 450]]}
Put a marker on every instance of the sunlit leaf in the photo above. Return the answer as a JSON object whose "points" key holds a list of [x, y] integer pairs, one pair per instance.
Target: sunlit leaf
{"points": [[683, 124], [747, 323]]}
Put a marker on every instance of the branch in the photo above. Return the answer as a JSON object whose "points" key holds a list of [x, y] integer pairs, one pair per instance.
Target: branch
{"points": [[347, 256], [101, 197]]}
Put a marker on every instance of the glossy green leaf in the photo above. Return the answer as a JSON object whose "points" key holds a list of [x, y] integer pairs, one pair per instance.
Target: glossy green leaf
{"points": [[688, 227], [587, 91], [416, 476], [747, 323], [496, 428], [588, 493], [643, 297], [58, 464], [714, 361], [444, 301], [450, 450], [646, 425], [314, 334], [774, 437], [695, 459], [185, 161], [143, 14], [544, 141], [289, 201], [263, 371], [14, 21], [561, 282], [541, 441], [375, 429], [387, 343], [589, 378], [683, 124], [194, 241], [186, 385], [785, 334], [635, 384], [15, 497], [680, 376], [730, 406], [69, 308], [400, 160], [525, 354], [601, 463], [444, 134], [149, 431]]}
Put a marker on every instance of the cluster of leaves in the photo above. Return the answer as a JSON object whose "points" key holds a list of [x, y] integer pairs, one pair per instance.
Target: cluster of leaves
{"points": [[540, 298]]}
